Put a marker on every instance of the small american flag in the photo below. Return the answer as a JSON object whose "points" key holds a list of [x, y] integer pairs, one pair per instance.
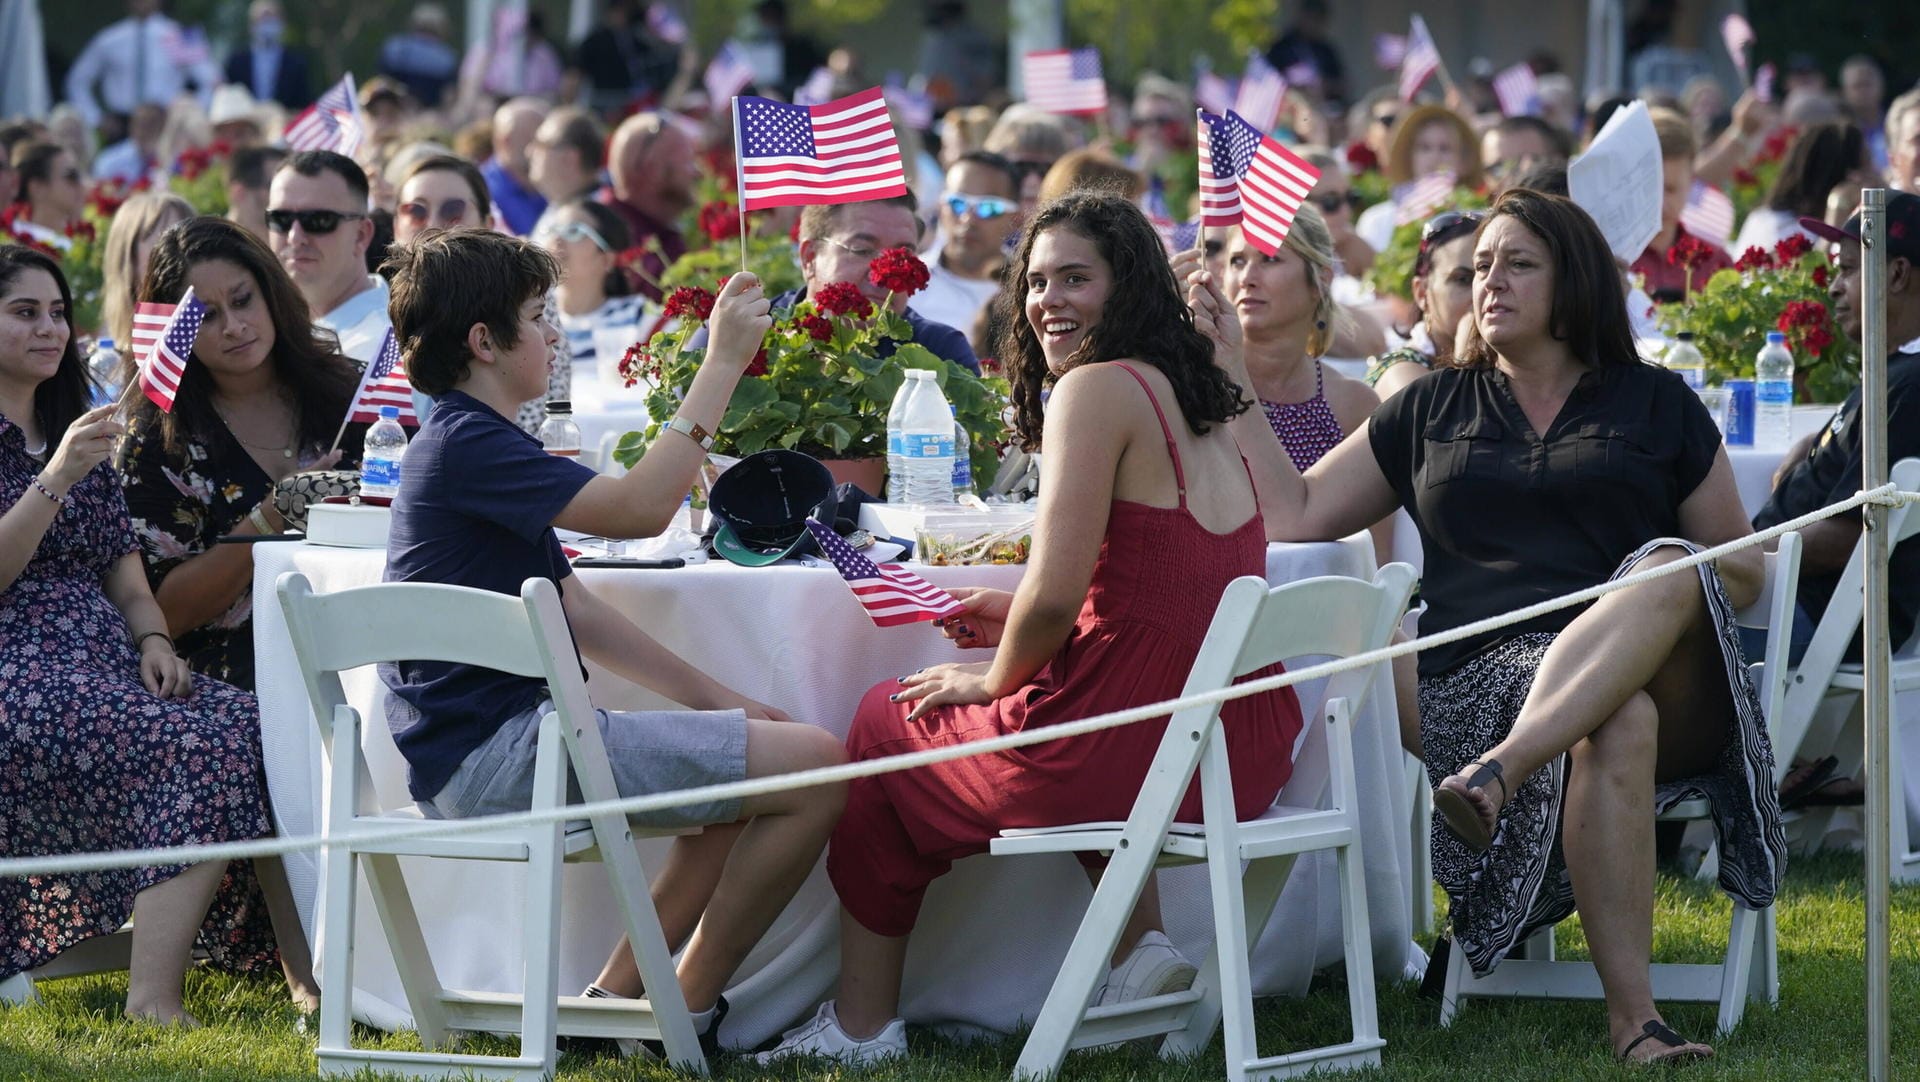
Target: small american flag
{"points": [[666, 24], [384, 384], [841, 151], [1516, 87], [1064, 80], [187, 47], [728, 73], [891, 595], [1763, 82], [1303, 73], [1389, 50], [818, 88], [1422, 59], [1738, 35], [163, 337], [914, 106], [1267, 181], [1262, 89], [332, 122], [1177, 236], [1212, 92], [1425, 196], [1708, 213]]}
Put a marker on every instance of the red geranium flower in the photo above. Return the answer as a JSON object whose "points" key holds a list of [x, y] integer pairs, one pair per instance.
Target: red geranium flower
{"points": [[841, 299], [690, 300], [1690, 251], [1820, 276], [1361, 158], [192, 162], [81, 229], [1776, 145], [220, 148], [1745, 178], [1792, 247], [1755, 258], [719, 220], [898, 271], [758, 366], [637, 362], [820, 327]]}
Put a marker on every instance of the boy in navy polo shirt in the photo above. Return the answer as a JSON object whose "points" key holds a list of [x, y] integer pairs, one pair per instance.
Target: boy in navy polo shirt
{"points": [[477, 508]]}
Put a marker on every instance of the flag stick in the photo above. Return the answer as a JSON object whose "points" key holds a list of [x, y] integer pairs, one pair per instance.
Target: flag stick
{"points": [[358, 390], [740, 182], [126, 393]]}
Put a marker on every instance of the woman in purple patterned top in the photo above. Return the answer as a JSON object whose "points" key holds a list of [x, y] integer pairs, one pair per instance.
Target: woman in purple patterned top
{"points": [[110, 741]]}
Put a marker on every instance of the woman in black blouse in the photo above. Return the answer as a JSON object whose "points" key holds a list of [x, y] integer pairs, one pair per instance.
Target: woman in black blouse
{"points": [[1555, 459], [261, 400]]}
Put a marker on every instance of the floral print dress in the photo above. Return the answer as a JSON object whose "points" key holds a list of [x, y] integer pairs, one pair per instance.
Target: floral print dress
{"points": [[182, 503], [90, 760]]}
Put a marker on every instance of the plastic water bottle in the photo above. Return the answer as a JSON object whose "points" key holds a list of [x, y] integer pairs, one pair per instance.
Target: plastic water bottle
{"points": [[897, 437], [962, 458], [558, 433], [104, 365], [1684, 360], [1773, 395], [380, 463], [927, 430]]}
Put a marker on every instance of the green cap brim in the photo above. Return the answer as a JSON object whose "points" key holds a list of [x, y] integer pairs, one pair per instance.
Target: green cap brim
{"points": [[728, 545]]}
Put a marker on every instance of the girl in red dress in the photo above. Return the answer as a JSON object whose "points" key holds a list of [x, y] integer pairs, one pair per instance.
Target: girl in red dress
{"points": [[1146, 513]]}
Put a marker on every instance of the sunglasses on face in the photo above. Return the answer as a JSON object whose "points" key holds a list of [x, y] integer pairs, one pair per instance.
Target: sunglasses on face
{"points": [[317, 223], [420, 213], [574, 231], [1331, 202], [984, 207]]}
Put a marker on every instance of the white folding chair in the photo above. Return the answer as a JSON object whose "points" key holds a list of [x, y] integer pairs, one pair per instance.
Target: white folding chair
{"points": [[1823, 704], [1750, 970], [528, 636], [1254, 627]]}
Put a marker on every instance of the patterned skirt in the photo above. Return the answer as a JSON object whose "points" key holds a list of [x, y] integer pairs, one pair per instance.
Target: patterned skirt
{"points": [[1519, 884]]}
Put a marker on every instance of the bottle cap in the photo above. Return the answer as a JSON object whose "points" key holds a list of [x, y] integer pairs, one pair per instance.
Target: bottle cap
{"points": [[559, 405], [1774, 338], [105, 343], [389, 413], [1685, 336]]}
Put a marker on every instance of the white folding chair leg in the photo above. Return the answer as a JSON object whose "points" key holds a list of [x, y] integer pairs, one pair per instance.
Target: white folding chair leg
{"points": [[1262, 884], [540, 1004], [18, 989], [1420, 836], [408, 943]]}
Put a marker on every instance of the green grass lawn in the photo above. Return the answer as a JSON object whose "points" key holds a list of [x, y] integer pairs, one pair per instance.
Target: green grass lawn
{"points": [[1818, 1031]]}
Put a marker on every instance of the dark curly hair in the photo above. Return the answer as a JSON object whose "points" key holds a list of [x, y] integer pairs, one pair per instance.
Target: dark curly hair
{"points": [[306, 361], [1589, 299], [61, 398], [1145, 319], [1817, 161]]}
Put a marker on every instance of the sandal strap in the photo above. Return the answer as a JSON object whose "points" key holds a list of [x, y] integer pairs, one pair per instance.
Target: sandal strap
{"points": [[1490, 770], [1654, 1030]]}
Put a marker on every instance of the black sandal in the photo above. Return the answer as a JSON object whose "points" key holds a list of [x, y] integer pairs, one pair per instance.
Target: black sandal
{"points": [[1461, 814], [1679, 1049]]}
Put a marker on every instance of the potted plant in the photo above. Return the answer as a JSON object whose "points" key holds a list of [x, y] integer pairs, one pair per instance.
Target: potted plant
{"points": [[820, 384], [1784, 289]]}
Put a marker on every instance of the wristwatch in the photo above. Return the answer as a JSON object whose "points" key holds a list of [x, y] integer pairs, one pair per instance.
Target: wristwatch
{"points": [[693, 431]]}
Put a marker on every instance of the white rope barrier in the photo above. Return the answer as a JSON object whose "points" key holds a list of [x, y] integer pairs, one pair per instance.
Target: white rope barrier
{"points": [[1885, 495]]}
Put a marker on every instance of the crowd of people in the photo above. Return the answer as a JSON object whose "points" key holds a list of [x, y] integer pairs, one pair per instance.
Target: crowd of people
{"points": [[510, 214]]}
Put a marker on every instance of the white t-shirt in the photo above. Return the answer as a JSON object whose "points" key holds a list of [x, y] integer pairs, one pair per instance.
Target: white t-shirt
{"points": [[951, 299], [361, 321], [1766, 227]]}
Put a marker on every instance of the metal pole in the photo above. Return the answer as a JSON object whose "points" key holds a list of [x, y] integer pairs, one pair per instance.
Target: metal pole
{"points": [[1877, 659]]}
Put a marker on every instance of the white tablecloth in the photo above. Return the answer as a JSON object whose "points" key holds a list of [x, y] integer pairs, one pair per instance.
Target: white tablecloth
{"points": [[992, 932], [1753, 469]]}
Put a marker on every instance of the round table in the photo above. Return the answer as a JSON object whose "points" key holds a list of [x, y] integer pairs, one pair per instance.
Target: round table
{"points": [[992, 932], [1753, 469]]}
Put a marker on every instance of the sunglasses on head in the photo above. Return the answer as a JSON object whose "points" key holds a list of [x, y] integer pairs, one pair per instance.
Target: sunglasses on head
{"points": [[1440, 226], [420, 213], [316, 222], [984, 207], [574, 231]]}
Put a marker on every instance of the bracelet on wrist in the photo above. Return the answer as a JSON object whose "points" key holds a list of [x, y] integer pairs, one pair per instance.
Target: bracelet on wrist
{"points": [[41, 487], [258, 517], [141, 640]]}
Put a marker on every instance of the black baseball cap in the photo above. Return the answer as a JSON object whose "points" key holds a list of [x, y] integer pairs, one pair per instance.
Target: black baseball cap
{"points": [[760, 506], [1903, 227]]}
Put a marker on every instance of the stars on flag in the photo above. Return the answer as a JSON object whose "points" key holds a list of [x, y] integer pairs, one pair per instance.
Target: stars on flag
{"points": [[1248, 178], [1064, 80], [842, 151], [163, 336], [332, 122]]}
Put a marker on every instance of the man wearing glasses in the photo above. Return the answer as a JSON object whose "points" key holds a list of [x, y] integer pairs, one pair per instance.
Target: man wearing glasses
{"points": [[980, 211], [317, 226]]}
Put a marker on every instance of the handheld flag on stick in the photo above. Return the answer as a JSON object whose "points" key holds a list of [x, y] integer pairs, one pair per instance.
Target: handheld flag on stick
{"points": [[1422, 59], [332, 122], [1213, 92], [1426, 195], [1389, 50], [1737, 34], [842, 151], [666, 24], [163, 337], [728, 73], [1516, 87], [1709, 213], [891, 595], [1248, 179], [817, 88], [1065, 80], [1262, 90]]}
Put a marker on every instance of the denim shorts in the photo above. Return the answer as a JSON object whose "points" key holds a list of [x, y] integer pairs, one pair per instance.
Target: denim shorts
{"points": [[650, 751]]}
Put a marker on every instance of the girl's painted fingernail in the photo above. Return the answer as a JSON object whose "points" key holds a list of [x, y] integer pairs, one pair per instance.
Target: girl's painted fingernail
{"points": [[893, 698], [965, 631]]}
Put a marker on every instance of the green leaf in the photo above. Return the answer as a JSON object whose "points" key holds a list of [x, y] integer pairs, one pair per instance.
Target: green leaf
{"points": [[835, 435], [631, 448], [790, 439]]}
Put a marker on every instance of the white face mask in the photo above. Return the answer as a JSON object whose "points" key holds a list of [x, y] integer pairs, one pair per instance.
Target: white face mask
{"points": [[268, 31]]}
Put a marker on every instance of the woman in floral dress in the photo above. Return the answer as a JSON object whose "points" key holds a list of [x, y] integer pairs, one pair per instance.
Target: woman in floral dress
{"points": [[261, 400], [107, 739]]}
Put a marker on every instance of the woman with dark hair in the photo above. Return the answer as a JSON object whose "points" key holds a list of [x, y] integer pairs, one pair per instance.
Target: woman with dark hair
{"points": [[594, 295], [446, 192], [260, 402], [1819, 158], [110, 742], [1550, 459], [50, 196], [1442, 288], [1159, 510]]}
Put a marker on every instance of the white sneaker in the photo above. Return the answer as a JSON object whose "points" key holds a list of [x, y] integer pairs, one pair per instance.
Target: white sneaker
{"points": [[823, 1037], [1154, 968]]}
